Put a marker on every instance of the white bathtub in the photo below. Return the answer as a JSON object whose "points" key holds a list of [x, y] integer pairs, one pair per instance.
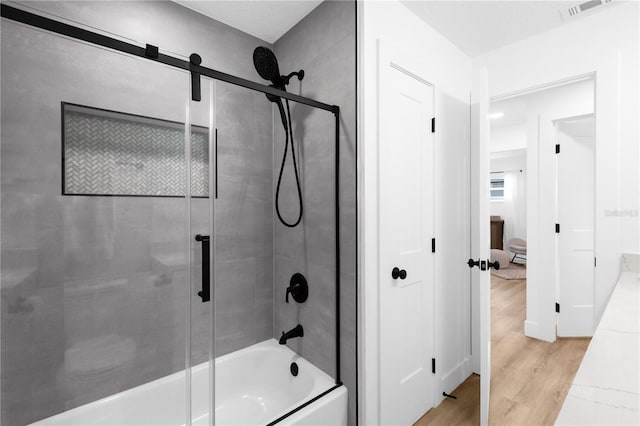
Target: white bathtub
{"points": [[254, 386]]}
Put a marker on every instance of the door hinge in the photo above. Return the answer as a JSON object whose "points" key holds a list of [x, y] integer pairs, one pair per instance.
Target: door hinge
{"points": [[433, 365], [433, 125], [433, 245], [557, 228], [557, 148], [557, 307]]}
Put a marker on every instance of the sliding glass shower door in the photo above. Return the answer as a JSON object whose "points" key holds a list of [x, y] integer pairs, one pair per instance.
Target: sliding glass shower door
{"points": [[103, 193], [201, 195]]}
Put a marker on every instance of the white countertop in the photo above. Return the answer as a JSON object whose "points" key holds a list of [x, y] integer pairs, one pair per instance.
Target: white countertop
{"points": [[606, 389]]}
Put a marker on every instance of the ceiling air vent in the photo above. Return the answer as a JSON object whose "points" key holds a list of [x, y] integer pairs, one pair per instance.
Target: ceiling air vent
{"points": [[579, 9]]}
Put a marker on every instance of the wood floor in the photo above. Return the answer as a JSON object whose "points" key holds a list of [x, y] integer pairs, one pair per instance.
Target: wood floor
{"points": [[529, 378]]}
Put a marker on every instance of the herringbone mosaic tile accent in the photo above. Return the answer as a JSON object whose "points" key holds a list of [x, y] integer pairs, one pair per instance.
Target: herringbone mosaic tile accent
{"points": [[120, 154]]}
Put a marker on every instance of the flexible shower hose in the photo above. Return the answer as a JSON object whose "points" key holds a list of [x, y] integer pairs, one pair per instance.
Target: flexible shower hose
{"points": [[289, 137]]}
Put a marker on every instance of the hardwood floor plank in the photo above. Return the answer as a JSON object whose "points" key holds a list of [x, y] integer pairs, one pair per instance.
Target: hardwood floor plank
{"points": [[530, 378]]}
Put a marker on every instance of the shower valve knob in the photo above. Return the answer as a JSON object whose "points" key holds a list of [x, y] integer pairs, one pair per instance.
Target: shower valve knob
{"points": [[398, 273], [298, 288]]}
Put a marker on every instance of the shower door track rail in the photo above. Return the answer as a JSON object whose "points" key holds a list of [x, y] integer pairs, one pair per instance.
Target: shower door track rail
{"points": [[151, 53], [78, 33]]}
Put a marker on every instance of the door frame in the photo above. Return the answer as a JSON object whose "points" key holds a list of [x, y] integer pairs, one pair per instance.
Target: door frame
{"points": [[540, 323]]}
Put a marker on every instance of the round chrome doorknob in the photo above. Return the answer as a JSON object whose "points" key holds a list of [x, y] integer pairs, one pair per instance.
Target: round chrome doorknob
{"points": [[398, 273]]}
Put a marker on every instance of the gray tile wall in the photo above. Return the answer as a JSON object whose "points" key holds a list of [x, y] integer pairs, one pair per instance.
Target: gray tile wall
{"points": [[243, 219], [323, 44], [107, 275], [93, 289]]}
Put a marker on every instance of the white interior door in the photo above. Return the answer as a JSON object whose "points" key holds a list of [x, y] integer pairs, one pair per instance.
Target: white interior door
{"points": [[406, 228], [480, 240], [575, 241]]}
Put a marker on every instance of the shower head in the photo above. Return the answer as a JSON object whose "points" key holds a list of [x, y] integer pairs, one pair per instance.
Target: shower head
{"points": [[267, 65], [278, 101]]}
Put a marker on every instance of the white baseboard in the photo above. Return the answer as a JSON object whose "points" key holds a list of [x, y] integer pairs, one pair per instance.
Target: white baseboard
{"points": [[531, 329], [452, 379]]}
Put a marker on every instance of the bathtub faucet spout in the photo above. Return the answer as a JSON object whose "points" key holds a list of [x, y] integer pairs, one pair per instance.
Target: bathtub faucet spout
{"points": [[296, 331]]}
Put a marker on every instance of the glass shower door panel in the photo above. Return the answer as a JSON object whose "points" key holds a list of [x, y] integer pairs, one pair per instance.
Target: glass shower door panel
{"points": [[243, 254], [201, 198], [262, 376], [308, 249], [94, 282]]}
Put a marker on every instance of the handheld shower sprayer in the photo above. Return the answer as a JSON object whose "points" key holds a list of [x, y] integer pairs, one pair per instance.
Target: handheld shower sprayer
{"points": [[278, 101], [266, 65]]}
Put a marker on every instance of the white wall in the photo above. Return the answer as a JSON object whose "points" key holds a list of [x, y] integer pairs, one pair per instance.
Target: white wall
{"points": [[605, 43], [448, 69], [515, 159], [508, 138]]}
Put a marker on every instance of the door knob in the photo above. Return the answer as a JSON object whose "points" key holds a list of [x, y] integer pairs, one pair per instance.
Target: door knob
{"points": [[495, 265], [398, 273], [473, 263], [481, 263]]}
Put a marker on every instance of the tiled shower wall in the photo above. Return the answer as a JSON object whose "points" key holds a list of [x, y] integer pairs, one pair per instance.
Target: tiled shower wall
{"points": [[93, 288], [323, 44]]}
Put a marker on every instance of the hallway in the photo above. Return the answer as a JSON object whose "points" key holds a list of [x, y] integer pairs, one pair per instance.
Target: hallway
{"points": [[530, 378]]}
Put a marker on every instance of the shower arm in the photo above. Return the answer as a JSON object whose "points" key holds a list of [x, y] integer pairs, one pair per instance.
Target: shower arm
{"points": [[286, 78]]}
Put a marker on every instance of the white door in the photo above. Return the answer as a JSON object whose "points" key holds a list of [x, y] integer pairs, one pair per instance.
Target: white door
{"points": [[480, 239], [406, 228], [575, 241]]}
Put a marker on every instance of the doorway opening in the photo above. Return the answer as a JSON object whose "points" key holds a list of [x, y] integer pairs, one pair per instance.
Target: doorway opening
{"points": [[530, 192]]}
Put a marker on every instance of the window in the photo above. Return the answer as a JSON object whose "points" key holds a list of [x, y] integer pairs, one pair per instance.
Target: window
{"points": [[496, 188]]}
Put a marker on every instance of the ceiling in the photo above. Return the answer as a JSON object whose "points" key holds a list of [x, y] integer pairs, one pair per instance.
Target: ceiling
{"points": [[266, 19], [477, 27]]}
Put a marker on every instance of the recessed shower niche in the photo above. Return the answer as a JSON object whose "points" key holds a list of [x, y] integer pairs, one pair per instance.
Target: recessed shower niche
{"points": [[114, 153]]}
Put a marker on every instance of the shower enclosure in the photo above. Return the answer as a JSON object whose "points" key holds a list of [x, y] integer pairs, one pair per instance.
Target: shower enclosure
{"points": [[142, 259]]}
